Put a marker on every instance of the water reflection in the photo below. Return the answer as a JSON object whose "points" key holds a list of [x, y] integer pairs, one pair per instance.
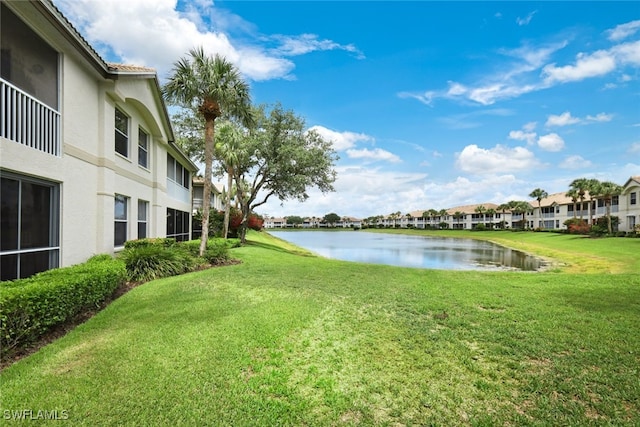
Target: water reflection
{"points": [[411, 251]]}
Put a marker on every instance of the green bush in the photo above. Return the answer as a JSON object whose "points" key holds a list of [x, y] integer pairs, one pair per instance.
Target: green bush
{"points": [[165, 242], [216, 253], [31, 307], [154, 261]]}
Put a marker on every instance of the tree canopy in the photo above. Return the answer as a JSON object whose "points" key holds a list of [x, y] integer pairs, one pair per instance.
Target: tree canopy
{"points": [[280, 158]]}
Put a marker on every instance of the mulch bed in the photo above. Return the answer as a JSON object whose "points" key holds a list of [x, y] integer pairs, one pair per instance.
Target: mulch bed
{"points": [[66, 327]]}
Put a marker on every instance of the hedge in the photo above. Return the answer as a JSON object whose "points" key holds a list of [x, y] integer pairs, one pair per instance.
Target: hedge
{"points": [[31, 307]]}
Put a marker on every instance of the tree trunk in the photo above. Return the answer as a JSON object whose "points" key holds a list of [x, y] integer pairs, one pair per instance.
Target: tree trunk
{"points": [[227, 203], [206, 197]]}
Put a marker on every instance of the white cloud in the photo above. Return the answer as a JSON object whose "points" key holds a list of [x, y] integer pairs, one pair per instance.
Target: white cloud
{"points": [[526, 20], [623, 31], [500, 159], [551, 142], [505, 84], [529, 127], [566, 119], [575, 162], [634, 148], [596, 64], [627, 53], [519, 135], [341, 140], [426, 97], [154, 33], [306, 43], [456, 89], [563, 119], [375, 154], [600, 117]]}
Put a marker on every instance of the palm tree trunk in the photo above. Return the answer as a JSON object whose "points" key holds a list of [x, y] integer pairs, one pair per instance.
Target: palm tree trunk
{"points": [[208, 164], [227, 203]]}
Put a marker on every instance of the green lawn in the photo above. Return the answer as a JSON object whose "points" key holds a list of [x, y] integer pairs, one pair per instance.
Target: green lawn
{"points": [[286, 338]]}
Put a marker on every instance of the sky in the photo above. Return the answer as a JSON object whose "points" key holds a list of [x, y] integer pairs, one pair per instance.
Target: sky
{"points": [[429, 105]]}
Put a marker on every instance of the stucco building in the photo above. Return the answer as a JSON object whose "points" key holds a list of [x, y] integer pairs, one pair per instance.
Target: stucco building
{"points": [[87, 159]]}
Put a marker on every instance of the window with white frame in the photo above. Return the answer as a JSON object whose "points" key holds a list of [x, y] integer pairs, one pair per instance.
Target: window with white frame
{"points": [[122, 133], [143, 215], [632, 198], [120, 219], [30, 212], [143, 148]]}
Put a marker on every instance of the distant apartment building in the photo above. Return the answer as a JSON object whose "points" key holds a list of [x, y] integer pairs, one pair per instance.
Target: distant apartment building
{"points": [[550, 214], [87, 158]]}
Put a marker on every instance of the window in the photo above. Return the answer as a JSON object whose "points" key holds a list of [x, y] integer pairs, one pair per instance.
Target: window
{"points": [[632, 199], [27, 61], [29, 242], [120, 216], [122, 133], [143, 215], [177, 173], [178, 224], [143, 148]]}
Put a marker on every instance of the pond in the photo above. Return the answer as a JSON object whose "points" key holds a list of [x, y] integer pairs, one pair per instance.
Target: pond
{"points": [[411, 251]]}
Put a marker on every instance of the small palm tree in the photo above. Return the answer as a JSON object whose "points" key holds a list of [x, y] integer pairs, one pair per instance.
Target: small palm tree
{"points": [[580, 186], [213, 86], [608, 190], [490, 213], [481, 210], [539, 194], [227, 150], [504, 208], [457, 215], [573, 194], [593, 186]]}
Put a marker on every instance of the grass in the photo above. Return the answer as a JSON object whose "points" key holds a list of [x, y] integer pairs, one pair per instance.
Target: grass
{"points": [[285, 339]]}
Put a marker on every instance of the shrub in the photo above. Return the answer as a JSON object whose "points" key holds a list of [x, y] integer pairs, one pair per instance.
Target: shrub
{"points": [[151, 262], [165, 242], [479, 227], [32, 306], [216, 253], [577, 226]]}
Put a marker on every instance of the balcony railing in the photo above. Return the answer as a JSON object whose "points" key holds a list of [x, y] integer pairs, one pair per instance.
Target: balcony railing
{"points": [[27, 121]]}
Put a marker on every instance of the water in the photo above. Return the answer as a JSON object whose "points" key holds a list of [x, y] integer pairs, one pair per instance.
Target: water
{"points": [[411, 251]]}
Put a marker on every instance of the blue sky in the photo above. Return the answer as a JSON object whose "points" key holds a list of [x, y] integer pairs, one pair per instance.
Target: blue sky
{"points": [[428, 104]]}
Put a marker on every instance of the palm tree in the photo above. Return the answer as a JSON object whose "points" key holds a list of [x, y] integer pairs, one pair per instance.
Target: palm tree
{"points": [[580, 186], [573, 194], [518, 207], [227, 151], [539, 194], [458, 216], [214, 87], [608, 190], [490, 213], [593, 186], [504, 208], [481, 210]]}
